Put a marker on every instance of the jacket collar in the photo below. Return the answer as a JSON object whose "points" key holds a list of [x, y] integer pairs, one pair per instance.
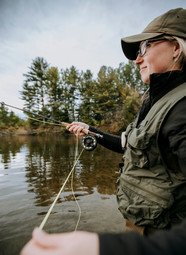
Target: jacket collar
{"points": [[162, 83]]}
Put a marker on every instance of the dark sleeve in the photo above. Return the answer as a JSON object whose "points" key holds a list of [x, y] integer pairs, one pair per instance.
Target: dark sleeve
{"points": [[111, 142], [174, 129], [171, 242]]}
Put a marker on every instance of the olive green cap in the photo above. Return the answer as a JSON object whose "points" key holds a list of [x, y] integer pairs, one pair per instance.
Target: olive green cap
{"points": [[172, 22]]}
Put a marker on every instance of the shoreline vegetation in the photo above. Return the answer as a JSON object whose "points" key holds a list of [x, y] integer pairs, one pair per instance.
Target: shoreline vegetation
{"points": [[108, 101], [29, 131], [44, 130]]}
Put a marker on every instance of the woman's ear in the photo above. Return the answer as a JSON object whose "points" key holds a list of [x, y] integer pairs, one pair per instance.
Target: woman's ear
{"points": [[177, 52]]}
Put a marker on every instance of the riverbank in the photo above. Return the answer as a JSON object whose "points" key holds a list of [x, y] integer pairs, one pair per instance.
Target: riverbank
{"points": [[47, 130], [42, 130]]}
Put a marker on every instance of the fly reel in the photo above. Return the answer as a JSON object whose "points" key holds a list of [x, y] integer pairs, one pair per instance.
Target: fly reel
{"points": [[89, 142]]}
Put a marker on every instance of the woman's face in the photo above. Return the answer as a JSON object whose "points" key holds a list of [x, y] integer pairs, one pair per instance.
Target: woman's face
{"points": [[159, 58]]}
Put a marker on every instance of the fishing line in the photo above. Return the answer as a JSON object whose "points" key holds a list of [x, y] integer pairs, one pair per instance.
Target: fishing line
{"points": [[45, 122], [72, 188], [72, 179], [88, 143], [53, 204]]}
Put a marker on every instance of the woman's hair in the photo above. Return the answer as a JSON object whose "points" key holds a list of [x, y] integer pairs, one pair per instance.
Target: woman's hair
{"points": [[181, 58]]}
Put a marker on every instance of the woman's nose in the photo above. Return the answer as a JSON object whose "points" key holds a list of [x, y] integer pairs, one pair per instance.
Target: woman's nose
{"points": [[138, 60]]}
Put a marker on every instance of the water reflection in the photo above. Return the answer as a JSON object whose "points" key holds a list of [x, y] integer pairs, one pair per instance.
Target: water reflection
{"points": [[32, 171], [48, 160], [8, 149]]}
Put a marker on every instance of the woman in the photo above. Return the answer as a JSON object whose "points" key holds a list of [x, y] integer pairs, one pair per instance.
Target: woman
{"points": [[152, 187]]}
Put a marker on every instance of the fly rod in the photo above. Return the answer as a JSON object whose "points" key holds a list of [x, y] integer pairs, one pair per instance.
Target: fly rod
{"points": [[88, 142], [50, 119]]}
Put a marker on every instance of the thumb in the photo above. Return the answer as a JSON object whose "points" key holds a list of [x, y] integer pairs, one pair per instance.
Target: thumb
{"points": [[44, 239]]}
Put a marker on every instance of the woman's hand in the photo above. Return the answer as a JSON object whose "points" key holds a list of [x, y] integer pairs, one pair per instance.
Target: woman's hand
{"points": [[78, 128], [74, 243]]}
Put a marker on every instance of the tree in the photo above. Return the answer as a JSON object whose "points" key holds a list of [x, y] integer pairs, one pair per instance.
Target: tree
{"points": [[111, 100], [105, 94], [15, 120], [129, 87], [54, 92], [129, 78], [70, 83], [9, 119], [34, 87], [28, 95], [3, 115], [85, 110]]}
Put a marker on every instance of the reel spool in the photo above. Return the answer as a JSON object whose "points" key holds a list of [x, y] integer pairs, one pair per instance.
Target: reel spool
{"points": [[89, 142]]}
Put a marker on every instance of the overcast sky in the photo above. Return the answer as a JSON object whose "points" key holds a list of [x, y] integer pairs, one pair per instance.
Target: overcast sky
{"points": [[83, 33]]}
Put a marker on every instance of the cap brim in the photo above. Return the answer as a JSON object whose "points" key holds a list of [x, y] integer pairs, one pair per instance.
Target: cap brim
{"points": [[130, 44]]}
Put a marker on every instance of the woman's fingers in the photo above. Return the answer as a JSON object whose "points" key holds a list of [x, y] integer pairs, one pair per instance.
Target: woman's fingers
{"points": [[78, 128]]}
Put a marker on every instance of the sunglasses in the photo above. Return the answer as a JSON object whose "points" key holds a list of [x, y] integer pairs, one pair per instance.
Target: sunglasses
{"points": [[144, 45]]}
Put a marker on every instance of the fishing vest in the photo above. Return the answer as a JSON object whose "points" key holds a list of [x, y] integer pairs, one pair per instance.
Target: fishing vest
{"points": [[148, 192]]}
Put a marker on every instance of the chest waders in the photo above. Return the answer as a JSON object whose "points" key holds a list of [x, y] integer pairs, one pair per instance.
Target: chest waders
{"points": [[149, 193]]}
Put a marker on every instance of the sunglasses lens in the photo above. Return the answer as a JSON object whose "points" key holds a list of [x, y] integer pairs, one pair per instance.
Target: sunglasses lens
{"points": [[143, 48]]}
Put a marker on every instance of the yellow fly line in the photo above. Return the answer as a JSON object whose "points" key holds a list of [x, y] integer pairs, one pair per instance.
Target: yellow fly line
{"points": [[62, 188], [46, 122], [58, 123], [53, 204]]}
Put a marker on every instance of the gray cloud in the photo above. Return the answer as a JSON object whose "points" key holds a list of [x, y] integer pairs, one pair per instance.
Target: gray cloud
{"points": [[83, 33]]}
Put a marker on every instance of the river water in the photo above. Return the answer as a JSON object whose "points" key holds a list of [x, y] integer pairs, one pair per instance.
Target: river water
{"points": [[32, 171]]}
